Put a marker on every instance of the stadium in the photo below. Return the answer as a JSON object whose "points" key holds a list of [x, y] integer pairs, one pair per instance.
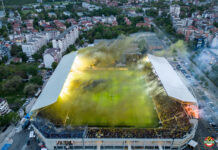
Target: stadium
{"points": [[114, 96]]}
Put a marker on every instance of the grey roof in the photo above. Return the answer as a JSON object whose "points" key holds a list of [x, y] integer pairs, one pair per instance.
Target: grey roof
{"points": [[172, 83], [55, 84], [2, 100]]}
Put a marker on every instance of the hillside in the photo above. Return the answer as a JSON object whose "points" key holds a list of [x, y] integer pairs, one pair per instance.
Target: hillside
{"points": [[18, 2]]}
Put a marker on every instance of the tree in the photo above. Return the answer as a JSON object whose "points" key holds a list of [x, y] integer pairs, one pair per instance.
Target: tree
{"points": [[12, 117], [70, 49], [54, 65], [36, 80], [4, 59], [30, 89], [152, 12], [32, 70], [12, 85], [98, 35], [4, 72], [15, 49], [120, 20], [215, 24], [23, 56]]}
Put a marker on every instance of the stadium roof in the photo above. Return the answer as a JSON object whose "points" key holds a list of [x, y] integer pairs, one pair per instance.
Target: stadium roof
{"points": [[171, 81], [55, 84]]}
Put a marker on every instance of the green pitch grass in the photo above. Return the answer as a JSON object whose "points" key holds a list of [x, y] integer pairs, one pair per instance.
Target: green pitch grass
{"points": [[109, 98]]}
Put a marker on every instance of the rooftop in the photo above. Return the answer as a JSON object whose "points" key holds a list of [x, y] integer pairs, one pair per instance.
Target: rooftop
{"points": [[65, 32], [172, 83], [49, 93]]}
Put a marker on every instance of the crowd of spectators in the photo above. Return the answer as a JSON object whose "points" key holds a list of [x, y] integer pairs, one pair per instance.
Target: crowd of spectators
{"points": [[49, 130]]}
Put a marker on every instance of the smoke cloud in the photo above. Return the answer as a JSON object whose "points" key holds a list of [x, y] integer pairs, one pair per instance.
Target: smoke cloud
{"points": [[98, 93]]}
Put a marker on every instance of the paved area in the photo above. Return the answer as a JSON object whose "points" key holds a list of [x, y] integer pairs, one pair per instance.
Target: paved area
{"points": [[202, 132], [20, 141], [6, 137]]}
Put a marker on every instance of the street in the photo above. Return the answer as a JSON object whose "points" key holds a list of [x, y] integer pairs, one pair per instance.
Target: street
{"points": [[22, 144]]}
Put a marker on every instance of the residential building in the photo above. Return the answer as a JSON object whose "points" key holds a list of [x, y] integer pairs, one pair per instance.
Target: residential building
{"points": [[39, 1], [46, 6], [4, 108], [2, 14], [175, 10], [52, 14], [33, 44], [51, 55], [90, 7], [60, 25], [4, 51], [66, 38], [36, 41], [66, 13]]}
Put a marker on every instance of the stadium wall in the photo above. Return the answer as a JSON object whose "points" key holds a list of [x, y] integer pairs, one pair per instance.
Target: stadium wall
{"points": [[118, 143]]}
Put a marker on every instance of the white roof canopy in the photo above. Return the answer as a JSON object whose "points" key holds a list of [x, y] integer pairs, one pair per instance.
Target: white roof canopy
{"points": [[55, 84], [171, 81]]}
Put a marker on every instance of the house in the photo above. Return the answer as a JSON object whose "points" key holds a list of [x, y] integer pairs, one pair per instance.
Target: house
{"points": [[59, 25], [51, 55], [4, 108], [39, 1], [127, 21], [38, 10], [2, 14], [90, 7], [66, 13], [142, 24], [17, 60], [52, 14], [46, 6], [11, 14], [4, 51]]}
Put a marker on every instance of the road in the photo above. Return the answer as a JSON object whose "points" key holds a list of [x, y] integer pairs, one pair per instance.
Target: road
{"points": [[19, 144], [204, 128], [4, 137], [201, 133]]}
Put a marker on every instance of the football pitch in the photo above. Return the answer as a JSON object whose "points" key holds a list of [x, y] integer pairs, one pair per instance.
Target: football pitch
{"points": [[104, 98]]}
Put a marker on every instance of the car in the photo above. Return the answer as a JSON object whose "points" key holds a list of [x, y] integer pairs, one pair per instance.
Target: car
{"points": [[211, 104], [204, 97], [178, 66], [183, 71], [28, 142], [212, 124]]}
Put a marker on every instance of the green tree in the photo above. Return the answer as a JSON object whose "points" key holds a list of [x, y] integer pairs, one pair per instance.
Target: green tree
{"points": [[54, 65], [36, 80], [12, 85], [15, 50], [4, 73], [30, 89], [11, 117], [215, 24], [23, 56], [152, 12]]}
